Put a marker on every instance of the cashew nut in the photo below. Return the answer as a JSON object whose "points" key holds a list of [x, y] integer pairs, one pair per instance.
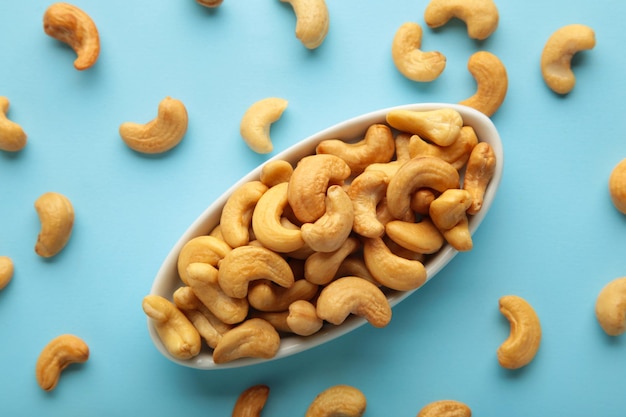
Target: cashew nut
{"points": [[254, 338], [456, 154], [422, 237], [447, 210], [338, 401], [71, 25], [413, 63], [480, 16], [257, 120], [278, 319], [210, 3], [617, 186], [6, 271], [250, 403], [237, 213], [312, 21], [391, 270], [321, 267], [521, 346], [275, 172], [355, 266], [331, 230], [57, 355], [459, 236], [353, 295], [302, 318], [265, 296], [56, 216], [205, 249], [491, 82], [441, 126], [611, 307], [420, 201], [558, 52], [445, 408], [366, 191], [12, 136], [479, 171]]}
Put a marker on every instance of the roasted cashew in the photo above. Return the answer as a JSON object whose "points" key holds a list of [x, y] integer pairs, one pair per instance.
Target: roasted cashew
{"points": [[377, 146], [56, 216], [302, 319], [557, 55], [254, 338], [456, 154], [447, 210], [419, 172], [248, 263], [278, 319], [257, 120], [338, 401], [309, 182], [265, 296], [391, 270], [331, 230], [611, 307], [210, 3], [205, 249], [161, 133], [492, 82], [275, 172], [250, 403], [480, 16], [312, 21], [353, 295], [459, 236], [6, 271], [441, 126], [237, 213], [413, 63], [71, 25], [421, 199], [521, 346], [179, 336], [354, 265], [321, 267], [617, 186], [479, 171], [12, 136], [422, 237], [366, 191], [57, 355], [445, 408]]}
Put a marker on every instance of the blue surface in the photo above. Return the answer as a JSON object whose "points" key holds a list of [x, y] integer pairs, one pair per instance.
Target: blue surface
{"points": [[552, 235]]}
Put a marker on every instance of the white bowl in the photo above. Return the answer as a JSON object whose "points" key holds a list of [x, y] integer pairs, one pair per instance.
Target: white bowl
{"points": [[167, 280]]}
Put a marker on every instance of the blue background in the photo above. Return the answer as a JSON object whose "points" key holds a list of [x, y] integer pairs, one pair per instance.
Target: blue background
{"points": [[552, 235]]}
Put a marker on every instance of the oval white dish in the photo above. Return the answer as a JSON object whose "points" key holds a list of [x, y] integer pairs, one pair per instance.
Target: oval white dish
{"points": [[167, 280]]}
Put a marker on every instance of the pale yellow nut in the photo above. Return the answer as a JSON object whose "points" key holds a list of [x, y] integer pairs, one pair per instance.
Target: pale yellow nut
{"points": [[312, 21], [480, 16], [251, 401], [459, 236], [617, 186], [479, 171], [162, 133], [520, 348], [12, 136], [492, 82], [302, 319], [611, 307], [421, 237], [266, 296], [56, 215], [353, 295], [455, 154], [6, 271], [447, 210], [445, 408], [366, 191], [71, 25], [57, 355], [412, 62], [391, 270], [254, 338], [205, 249], [257, 120], [557, 55], [331, 230], [338, 401], [236, 217], [210, 3], [441, 126], [321, 267], [275, 172]]}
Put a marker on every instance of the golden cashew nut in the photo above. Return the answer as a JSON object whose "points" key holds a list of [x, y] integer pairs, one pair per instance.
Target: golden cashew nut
{"points": [[278, 319], [254, 338], [210, 3], [275, 172], [459, 236], [237, 213], [312, 21], [422, 237], [447, 210], [257, 120], [445, 408], [558, 52], [617, 186], [71, 25], [492, 82], [521, 346], [162, 133], [355, 266], [12, 136], [250, 402], [441, 126], [391, 270], [6, 271], [302, 319], [413, 63], [57, 355], [455, 154], [353, 295], [366, 191], [338, 401], [479, 171], [321, 267], [56, 216], [204, 249], [265, 296], [480, 16], [331, 230], [611, 307]]}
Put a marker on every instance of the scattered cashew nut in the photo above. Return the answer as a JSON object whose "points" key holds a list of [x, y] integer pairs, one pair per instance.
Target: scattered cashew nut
{"points": [[492, 82], [312, 21], [445, 408], [611, 307], [413, 63], [521, 346], [617, 186], [12, 136], [254, 338], [338, 401], [257, 120], [6, 271], [250, 402], [57, 355], [56, 216], [480, 16]]}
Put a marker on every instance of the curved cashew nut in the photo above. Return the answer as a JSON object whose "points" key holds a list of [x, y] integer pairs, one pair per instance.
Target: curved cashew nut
{"points": [[178, 334], [447, 210], [257, 120], [321, 267], [6, 271], [441, 126], [254, 338], [445, 408], [617, 186], [12, 136], [57, 355], [71, 25], [480, 168], [413, 63], [56, 216], [459, 236], [366, 191], [422, 237], [491, 80], [237, 213], [611, 307], [355, 266], [205, 249], [338, 400], [456, 154], [265, 296], [420, 201], [331, 230], [558, 52], [480, 16], [309, 182], [248, 263], [302, 318], [161, 133], [377, 146], [390, 270], [521, 346], [275, 172], [353, 295], [312, 21], [250, 403]]}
